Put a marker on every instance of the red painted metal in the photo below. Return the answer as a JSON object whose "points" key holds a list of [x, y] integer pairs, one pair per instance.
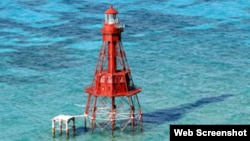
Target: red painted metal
{"points": [[111, 10], [112, 78]]}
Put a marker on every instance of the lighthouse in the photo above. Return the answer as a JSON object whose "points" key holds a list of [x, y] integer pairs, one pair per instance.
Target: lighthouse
{"points": [[112, 102]]}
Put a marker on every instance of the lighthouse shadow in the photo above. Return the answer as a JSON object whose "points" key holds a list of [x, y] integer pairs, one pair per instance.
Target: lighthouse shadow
{"points": [[81, 130], [172, 114]]}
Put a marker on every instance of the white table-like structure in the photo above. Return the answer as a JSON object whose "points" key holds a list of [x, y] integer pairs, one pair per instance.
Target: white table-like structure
{"points": [[63, 119]]}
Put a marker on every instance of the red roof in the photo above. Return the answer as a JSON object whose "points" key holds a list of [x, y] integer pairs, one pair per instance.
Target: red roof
{"points": [[111, 10]]}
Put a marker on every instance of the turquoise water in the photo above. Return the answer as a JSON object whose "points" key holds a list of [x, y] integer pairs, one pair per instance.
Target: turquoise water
{"points": [[191, 58]]}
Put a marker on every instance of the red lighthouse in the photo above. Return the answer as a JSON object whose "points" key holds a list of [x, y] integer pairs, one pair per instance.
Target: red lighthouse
{"points": [[112, 96]]}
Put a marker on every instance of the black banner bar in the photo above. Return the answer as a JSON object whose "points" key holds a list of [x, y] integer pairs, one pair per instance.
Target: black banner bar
{"points": [[213, 132]]}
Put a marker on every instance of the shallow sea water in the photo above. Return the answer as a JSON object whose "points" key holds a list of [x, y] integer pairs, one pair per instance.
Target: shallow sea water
{"points": [[191, 58]]}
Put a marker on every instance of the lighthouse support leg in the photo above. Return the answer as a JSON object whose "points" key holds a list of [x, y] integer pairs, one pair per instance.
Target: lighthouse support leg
{"points": [[93, 115], [130, 101], [140, 112], [112, 120], [86, 112]]}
